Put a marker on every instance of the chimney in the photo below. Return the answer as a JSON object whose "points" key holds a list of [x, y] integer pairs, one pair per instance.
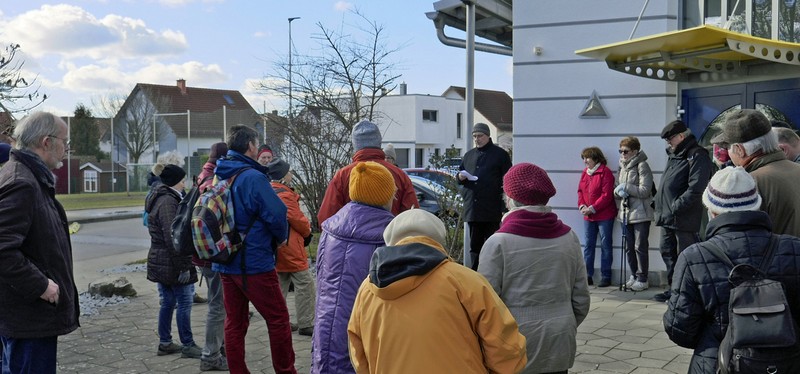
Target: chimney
{"points": [[182, 85], [403, 88]]}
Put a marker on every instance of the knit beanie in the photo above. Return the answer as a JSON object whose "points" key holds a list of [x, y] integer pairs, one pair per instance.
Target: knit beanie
{"points": [[415, 222], [528, 184], [217, 150], [731, 189], [277, 169], [366, 135], [389, 151], [5, 149], [371, 183], [482, 128], [169, 174], [264, 149]]}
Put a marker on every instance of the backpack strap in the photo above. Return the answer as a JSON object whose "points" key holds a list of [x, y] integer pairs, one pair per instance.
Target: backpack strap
{"points": [[769, 253], [718, 253]]}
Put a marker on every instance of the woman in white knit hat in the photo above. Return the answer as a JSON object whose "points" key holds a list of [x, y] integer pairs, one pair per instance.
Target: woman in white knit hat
{"points": [[697, 311]]}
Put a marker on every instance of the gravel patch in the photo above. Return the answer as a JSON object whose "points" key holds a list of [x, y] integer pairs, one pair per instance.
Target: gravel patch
{"points": [[91, 304]]}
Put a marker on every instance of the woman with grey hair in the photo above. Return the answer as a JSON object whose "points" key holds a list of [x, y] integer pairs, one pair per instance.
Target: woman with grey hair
{"points": [[535, 263]]}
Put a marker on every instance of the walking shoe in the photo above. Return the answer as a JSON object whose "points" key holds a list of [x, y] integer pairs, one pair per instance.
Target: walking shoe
{"points": [[191, 351], [294, 326], [306, 331], [639, 286], [590, 280], [604, 283], [214, 364], [630, 281], [168, 349], [662, 297], [199, 299]]}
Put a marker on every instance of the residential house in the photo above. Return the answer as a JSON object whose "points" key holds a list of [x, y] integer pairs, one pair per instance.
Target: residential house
{"points": [[98, 176], [587, 73]]}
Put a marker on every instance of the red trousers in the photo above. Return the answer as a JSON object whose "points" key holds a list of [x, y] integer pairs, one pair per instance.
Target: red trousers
{"points": [[264, 291]]}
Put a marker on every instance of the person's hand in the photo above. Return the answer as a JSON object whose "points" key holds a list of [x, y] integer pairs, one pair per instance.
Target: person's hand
{"points": [[183, 277], [51, 293], [307, 240], [620, 191]]}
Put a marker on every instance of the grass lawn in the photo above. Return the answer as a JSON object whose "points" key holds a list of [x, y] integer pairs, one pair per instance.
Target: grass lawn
{"points": [[101, 200]]}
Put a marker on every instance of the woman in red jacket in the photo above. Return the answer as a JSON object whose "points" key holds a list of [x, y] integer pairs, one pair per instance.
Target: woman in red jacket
{"points": [[596, 203]]}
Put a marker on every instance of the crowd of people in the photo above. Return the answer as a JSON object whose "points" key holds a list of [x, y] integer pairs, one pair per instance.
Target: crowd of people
{"points": [[384, 295]]}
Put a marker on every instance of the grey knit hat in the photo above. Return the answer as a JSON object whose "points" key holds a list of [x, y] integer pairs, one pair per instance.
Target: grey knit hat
{"points": [[277, 169], [482, 128], [366, 135]]}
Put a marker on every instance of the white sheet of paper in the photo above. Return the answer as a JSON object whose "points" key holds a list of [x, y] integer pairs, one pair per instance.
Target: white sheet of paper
{"points": [[467, 175]]}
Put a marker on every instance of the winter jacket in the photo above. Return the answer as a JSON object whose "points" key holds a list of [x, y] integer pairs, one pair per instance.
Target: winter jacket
{"points": [[483, 198], [597, 191], [348, 239], [420, 312], [292, 257], [258, 211], [686, 175], [338, 192], [164, 264], [777, 180], [543, 283], [697, 312], [636, 176], [34, 246]]}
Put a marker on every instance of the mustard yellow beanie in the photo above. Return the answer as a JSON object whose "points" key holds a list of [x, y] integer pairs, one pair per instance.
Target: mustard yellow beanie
{"points": [[371, 183]]}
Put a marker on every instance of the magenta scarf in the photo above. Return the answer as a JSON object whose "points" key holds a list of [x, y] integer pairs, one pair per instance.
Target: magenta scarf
{"points": [[533, 225]]}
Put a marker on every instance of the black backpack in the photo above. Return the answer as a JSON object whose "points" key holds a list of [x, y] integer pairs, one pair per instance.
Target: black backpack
{"points": [[182, 239], [762, 336]]}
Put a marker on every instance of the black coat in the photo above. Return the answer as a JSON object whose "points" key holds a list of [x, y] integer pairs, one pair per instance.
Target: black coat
{"points": [[483, 199], [164, 264], [34, 246], [697, 312], [678, 200]]}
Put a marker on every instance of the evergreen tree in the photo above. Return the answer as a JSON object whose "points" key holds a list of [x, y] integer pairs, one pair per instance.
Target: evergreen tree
{"points": [[85, 136]]}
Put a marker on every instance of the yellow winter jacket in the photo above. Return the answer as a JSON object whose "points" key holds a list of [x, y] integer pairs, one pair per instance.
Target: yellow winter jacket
{"points": [[419, 312]]}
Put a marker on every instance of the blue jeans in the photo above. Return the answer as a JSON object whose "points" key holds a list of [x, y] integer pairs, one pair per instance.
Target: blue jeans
{"points": [[29, 356], [606, 255], [182, 294]]}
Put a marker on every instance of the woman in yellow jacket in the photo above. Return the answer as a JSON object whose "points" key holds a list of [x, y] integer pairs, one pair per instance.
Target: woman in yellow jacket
{"points": [[292, 262], [420, 312]]}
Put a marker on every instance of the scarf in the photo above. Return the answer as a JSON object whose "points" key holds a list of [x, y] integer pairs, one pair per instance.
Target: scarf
{"points": [[594, 169], [33, 162], [533, 222]]}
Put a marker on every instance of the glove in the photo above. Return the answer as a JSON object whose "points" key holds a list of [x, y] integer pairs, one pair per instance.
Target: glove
{"points": [[620, 191], [183, 277], [307, 240]]}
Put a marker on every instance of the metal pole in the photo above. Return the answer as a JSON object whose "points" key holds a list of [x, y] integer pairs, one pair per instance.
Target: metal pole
{"points": [[224, 122], [469, 94], [189, 144], [111, 153], [69, 158], [290, 75], [154, 138]]}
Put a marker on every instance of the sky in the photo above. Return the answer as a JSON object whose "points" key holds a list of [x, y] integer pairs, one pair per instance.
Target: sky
{"points": [[84, 50]]}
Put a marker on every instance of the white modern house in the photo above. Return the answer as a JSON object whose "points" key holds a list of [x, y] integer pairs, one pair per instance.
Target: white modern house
{"points": [[587, 73]]}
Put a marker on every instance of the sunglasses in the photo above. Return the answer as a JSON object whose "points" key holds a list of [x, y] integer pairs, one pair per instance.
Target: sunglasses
{"points": [[624, 151]]}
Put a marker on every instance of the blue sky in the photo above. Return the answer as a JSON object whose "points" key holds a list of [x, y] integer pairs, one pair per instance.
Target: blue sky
{"points": [[84, 49]]}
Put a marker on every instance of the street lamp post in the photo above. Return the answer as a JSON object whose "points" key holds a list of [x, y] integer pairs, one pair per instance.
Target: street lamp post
{"points": [[290, 69]]}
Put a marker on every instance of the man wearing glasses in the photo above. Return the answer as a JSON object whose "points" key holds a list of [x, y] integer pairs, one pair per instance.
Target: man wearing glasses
{"points": [[37, 287], [678, 201]]}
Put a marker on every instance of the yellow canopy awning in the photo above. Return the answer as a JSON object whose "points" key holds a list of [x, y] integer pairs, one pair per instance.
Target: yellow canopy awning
{"points": [[672, 56]]}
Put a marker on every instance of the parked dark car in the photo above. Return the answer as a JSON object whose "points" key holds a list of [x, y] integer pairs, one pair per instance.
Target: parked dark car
{"points": [[440, 177], [430, 194]]}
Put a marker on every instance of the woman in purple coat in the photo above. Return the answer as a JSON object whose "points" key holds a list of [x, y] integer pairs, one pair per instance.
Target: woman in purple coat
{"points": [[348, 240]]}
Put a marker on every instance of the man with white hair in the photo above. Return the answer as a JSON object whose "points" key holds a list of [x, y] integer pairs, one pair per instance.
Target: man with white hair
{"points": [[697, 311], [789, 143], [37, 285], [754, 147]]}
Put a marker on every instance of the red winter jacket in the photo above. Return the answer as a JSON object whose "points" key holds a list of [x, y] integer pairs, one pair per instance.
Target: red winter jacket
{"points": [[597, 191]]}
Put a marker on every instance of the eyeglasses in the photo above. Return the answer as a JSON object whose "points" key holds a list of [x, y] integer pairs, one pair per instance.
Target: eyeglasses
{"points": [[66, 141], [624, 151], [670, 138]]}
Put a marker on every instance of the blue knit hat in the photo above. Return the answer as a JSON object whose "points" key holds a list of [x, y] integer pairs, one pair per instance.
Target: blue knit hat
{"points": [[366, 135], [4, 150]]}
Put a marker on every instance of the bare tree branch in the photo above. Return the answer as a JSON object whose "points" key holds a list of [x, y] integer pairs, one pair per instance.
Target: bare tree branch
{"points": [[17, 94]]}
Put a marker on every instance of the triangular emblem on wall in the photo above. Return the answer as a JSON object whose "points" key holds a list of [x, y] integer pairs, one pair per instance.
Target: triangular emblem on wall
{"points": [[593, 108]]}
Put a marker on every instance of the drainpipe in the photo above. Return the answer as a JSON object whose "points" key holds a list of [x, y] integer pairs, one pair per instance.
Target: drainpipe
{"points": [[460, 43]]}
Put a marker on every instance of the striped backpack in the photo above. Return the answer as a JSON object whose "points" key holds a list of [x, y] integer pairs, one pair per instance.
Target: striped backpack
{"points": [[214, 232]]}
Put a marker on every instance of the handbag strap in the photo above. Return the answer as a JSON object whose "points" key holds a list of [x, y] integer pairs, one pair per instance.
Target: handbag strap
{"points": [[769, 253]]}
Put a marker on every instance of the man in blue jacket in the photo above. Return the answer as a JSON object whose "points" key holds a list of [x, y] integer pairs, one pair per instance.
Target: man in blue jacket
{"points": [[251, 276]]}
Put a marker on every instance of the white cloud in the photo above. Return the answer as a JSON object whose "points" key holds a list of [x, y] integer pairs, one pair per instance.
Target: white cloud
{"points": [[342, 6], [261, 100], [260, 34]]}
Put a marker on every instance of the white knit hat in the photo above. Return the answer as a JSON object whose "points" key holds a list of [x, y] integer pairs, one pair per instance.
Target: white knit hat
{"points": [[415, 222], [731, 189]]}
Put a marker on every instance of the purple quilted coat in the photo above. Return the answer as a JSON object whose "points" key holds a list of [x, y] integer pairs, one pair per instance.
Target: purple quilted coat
{"points": [[348, 240]]}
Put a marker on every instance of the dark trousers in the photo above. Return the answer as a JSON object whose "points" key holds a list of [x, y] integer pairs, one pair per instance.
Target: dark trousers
{"points": [[673, 242], [637, 246], [478, 233], [29, 356]]}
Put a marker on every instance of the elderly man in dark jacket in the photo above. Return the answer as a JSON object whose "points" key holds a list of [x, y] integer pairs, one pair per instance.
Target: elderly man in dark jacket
{"points": [[697, 312], [38, 298], [678, 206], [483, 195]]}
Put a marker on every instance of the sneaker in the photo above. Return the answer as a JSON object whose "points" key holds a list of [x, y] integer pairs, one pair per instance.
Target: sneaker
{"points": [[199, 299], [168, 349], [306, 331], [639, 286], [630, 281], [294, 326], [191, 351], [662, 297], [215, 364], [604, 283], [590, 280]]}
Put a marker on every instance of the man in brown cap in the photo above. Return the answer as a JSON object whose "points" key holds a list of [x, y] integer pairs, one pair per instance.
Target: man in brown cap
{"points": [[753, 146], [678, 205]]}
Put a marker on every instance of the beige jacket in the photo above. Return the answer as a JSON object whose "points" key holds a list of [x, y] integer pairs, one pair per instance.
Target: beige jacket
{"points": [[638, 180]]}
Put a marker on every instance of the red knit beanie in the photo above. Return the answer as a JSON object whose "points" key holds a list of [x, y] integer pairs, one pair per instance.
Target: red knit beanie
{"points": [[528, 184]]}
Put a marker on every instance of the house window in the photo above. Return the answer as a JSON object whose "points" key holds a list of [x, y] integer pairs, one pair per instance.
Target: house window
{"points": [[430, 115], [458, 126], [418, 159], [89, 181], [402, 157]]}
